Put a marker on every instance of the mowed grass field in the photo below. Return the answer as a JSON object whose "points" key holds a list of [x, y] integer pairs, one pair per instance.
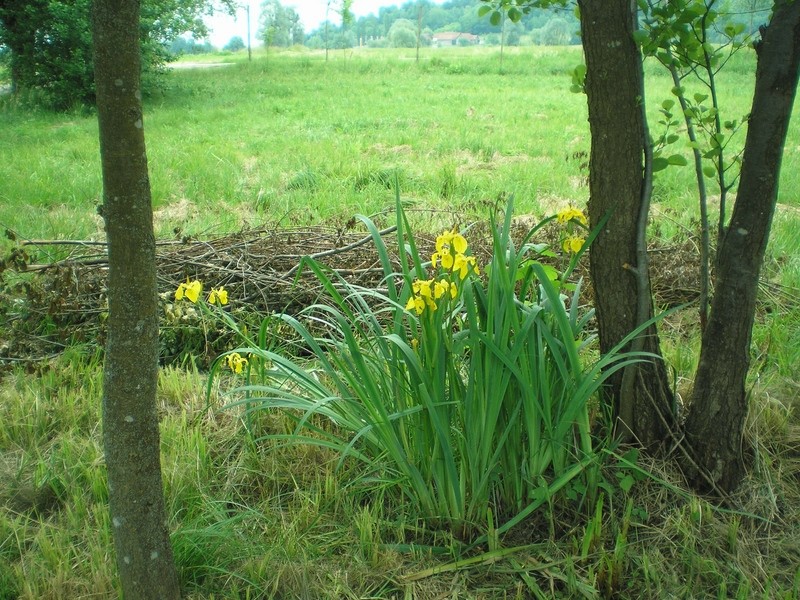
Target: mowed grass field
{"points": [[290, 139]]}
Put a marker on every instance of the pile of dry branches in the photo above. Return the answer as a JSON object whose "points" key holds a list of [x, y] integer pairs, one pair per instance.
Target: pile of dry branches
{"points": [[49, 304]]}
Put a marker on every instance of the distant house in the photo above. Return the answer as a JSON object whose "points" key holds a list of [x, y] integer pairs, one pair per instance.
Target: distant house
{"points": [[454, 38]]}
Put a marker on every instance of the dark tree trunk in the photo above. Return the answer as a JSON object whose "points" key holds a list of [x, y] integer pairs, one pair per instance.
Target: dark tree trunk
{"points": [[130, 422], [719, 401], [619, 186]]}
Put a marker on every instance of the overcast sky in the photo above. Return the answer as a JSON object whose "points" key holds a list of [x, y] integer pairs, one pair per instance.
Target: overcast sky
{"points": [[312, 13]]}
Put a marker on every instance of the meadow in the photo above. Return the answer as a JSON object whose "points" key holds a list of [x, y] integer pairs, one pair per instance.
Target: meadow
{"points": [[289, 139]]}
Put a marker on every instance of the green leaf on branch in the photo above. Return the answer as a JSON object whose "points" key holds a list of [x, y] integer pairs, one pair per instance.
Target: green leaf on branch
{"points": [[495, 18], [641, 37], [709, 171], [665, 58], [578, 79], [659, 164], [677, 160]]}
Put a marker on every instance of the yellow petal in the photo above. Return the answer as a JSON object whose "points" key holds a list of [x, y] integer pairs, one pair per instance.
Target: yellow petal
{"points": [[192, 290], [425, 289], [572, 214], [443, 241], [459, 243], [447, 261]]}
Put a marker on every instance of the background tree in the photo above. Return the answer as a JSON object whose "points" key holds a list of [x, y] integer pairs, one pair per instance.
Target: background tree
{"points": [[130, 422], [403, 34], [279, 25], [556, 32], [18, 25], [187, 45], [50, 42], [236, 43]]}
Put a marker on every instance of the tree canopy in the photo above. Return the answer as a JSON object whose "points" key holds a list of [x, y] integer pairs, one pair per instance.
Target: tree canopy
{"points": [[279, 25], [49, 43]]}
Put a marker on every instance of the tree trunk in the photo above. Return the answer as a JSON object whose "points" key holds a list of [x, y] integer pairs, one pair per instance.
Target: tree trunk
{"points": [[719, 401], [130, 422], [619, 186]]}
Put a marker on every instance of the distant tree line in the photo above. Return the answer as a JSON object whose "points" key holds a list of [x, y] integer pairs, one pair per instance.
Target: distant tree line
{"points": [[189, 45], [399, 26]]}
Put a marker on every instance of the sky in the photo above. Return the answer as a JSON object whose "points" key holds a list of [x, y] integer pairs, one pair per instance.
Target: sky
{"points": [[311, 12]]}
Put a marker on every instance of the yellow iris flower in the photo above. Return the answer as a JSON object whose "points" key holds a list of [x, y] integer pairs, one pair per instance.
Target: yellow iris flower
{"points": [[450, 249], [462, 265], [572, 244], [190, 290], [449, 246], [218, 296], [235, 362], [572, 214]]}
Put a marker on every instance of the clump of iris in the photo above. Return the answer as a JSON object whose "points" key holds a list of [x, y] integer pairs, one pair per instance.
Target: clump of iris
{"points": [[453, 266], [191, 290]]}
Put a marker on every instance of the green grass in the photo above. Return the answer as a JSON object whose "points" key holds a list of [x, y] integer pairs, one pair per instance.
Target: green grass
{"points": [[276, 521], [290, 139], [229, 145]]}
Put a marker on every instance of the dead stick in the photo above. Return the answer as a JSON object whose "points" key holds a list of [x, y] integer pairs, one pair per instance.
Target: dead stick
{"points": [[347, 248]]}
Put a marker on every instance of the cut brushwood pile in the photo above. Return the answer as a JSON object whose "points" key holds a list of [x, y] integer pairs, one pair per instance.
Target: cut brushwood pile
{"points": [[49, 303]]}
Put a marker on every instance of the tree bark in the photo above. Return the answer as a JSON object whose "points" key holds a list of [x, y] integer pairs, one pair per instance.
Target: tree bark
{"points": [[719, 401], [130, 422], [619, 187]]}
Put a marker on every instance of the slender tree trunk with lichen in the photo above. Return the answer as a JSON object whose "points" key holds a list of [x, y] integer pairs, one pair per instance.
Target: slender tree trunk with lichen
{"points": [[619, 182], [719, 400], [130, 422]]}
